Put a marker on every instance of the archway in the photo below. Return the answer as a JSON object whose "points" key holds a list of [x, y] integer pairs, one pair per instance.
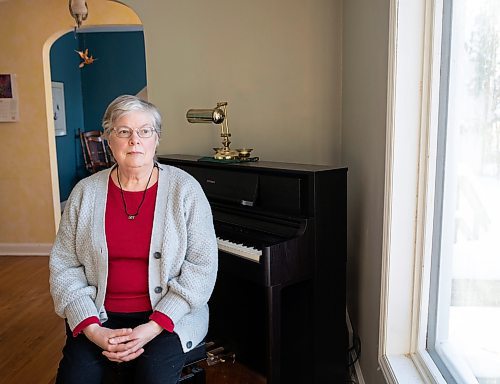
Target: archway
{"points": [[103, 14]]}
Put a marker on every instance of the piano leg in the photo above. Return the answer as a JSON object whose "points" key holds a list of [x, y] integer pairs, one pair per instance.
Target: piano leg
{"points": [[274, 335]]}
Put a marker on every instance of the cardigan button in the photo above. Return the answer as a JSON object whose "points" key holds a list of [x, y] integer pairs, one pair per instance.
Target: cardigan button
{"points": [[189, 344], [158, 289], [157, 255]]}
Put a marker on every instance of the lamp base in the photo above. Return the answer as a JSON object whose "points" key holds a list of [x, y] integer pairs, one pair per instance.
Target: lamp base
{"points": [[226, 154]]}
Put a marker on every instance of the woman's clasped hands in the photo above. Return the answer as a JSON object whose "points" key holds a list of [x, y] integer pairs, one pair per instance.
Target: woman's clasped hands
{"points": [[123, 344]]}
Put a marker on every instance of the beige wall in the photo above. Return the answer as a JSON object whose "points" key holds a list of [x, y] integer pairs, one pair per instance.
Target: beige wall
{"points": [[364, 84], [277, 64], [280, 66], [27, 157]]}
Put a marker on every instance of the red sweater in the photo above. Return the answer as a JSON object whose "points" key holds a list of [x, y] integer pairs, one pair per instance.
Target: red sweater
{"points": [[128, 255]]}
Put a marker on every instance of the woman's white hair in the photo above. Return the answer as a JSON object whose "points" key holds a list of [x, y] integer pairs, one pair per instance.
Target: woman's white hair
{"points": [[125, 104]]}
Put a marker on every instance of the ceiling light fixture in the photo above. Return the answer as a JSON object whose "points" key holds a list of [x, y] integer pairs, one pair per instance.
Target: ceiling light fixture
{"points": [[79, 10]]}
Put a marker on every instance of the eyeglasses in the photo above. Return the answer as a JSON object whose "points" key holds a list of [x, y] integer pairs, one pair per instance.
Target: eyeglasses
{"points": [[125, 132]]}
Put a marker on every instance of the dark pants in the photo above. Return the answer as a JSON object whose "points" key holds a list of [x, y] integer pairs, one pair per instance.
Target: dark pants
{"points": [[83, 362]]}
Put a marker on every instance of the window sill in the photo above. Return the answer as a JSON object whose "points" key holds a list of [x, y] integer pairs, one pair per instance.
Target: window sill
{"points": [[410, 369], [401, 369]]}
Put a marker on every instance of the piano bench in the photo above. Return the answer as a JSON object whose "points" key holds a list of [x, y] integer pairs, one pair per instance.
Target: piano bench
{"points": [[191, 372]]}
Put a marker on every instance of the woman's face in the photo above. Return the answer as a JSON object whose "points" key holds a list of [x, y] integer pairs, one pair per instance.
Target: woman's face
{"points": [[135, 151]]}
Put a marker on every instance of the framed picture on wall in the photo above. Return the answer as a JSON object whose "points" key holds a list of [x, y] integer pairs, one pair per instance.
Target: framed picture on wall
{"points": [[59, 111], [9, 110]]}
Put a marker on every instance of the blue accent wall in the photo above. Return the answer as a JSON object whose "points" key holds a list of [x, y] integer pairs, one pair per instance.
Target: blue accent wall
{"points": [[64, 68], [120, 68]]}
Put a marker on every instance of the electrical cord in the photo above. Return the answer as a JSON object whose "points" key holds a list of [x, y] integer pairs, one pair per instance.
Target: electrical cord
{"points": [[355, 348], [353, 355]]}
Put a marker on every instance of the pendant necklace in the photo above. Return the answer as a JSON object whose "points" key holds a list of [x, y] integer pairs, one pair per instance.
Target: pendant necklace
{"points": [[129, 215]]}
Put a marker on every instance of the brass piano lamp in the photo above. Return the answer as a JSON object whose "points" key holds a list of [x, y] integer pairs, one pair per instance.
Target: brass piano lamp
{"points": [[218, 115]]}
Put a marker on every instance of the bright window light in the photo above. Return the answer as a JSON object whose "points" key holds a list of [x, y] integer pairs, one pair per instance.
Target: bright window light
{"points": [[464, 316]]}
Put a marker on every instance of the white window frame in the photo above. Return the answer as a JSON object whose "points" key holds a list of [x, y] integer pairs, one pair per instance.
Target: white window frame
{"points": [[411, 136]]}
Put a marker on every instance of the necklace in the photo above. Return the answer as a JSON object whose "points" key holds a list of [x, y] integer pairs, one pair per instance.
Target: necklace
{"points": [[133, 216]]}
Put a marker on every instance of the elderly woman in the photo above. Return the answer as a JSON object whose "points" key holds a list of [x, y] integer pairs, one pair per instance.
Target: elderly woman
{"points": [[134, 261]]}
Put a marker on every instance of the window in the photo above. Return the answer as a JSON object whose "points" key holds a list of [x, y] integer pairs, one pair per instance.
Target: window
{"points": [[440, 316], [464, 307]]}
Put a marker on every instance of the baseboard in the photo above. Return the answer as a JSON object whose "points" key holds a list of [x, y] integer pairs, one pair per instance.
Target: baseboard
{"points": [[25, 249], [359, 375]]}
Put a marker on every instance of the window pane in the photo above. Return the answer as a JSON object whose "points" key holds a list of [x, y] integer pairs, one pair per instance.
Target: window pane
{"points": [[464, 320]]}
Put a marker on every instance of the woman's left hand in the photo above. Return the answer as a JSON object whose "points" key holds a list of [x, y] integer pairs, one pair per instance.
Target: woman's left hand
{"points": [[134, 342]]}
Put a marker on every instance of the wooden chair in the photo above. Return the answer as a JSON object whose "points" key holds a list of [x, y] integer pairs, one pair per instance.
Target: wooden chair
{"points": [[95, 151]]}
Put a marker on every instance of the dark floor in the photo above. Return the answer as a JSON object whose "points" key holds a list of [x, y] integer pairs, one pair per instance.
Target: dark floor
{"points": [[231, 373]]}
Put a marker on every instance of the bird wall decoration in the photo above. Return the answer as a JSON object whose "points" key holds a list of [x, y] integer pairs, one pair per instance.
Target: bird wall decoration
{"points": [[87, 60]]}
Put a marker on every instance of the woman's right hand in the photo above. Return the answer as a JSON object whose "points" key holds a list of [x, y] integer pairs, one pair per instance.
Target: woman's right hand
{"points": [[100, 336]]}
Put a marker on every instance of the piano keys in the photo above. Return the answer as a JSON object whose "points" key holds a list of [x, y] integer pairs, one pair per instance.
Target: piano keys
{"points": [[239, 249], [279, 299]]}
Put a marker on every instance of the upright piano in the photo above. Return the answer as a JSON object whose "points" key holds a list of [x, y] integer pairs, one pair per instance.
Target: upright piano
{"points": [[280, 296]]}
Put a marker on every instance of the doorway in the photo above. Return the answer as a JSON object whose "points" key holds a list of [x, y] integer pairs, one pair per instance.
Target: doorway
{"points": [[119, 67]]}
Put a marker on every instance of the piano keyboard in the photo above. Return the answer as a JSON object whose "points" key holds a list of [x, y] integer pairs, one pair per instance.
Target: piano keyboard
{"points": [[239, 250]]}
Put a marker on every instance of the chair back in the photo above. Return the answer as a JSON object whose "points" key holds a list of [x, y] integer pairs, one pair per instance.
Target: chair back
{"points": [[95, 151]]}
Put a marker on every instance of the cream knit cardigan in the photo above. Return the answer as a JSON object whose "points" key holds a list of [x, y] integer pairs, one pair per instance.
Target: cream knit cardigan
{"points": [[182, 256]]}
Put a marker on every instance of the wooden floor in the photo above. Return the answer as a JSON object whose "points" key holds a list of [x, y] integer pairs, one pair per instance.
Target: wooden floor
{"points": [[32, 336]]}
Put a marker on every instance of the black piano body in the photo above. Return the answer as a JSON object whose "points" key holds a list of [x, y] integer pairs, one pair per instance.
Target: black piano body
{"points": [[280, 303]]}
